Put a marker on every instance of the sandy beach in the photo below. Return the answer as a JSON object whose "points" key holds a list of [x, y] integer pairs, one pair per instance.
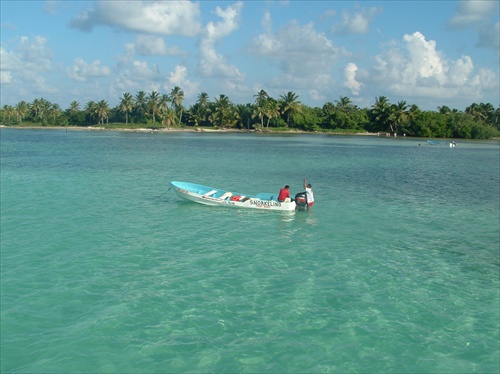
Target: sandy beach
{"points": [[193, 129]]}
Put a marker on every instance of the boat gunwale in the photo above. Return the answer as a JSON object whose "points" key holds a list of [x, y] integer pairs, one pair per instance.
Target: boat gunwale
{"points": [[198, 193]]}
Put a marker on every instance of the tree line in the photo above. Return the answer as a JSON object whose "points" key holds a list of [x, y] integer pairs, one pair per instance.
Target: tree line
{"points": [[154, 110]]}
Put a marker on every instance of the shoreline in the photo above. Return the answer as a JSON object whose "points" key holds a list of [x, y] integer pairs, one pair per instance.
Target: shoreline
{"points": [[212, 130], [196, 130]]}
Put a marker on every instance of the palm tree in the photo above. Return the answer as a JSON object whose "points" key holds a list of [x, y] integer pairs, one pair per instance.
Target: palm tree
{"points": [[483, 113], [40, 107], [202, 108], [414, 109], [398, 115], [90, 110], [233, 118], [222, 111], [261, 96], [36, 107], [195, 114], [244, 112], [203, 99], [412, 119], [489, 113], [474, 110], [169, 117], [164, 110], [72, 112], [22, 110], [152, 103], [272, 110], [126, 105], [344, 104], [140, 104], [102, 111], [380, 113], [444, 109], [328, 109], [260, 101], [289, 104], [9, 111], [413, 112], [496, 118], [74, 106], [54, 110], [177, 97]]}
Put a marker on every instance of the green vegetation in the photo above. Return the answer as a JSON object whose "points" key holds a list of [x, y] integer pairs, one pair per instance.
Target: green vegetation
{"points": [[286, 113]]}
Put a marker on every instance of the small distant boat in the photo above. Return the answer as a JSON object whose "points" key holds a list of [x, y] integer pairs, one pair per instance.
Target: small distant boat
{"points": [[433, 142], [214, 196]]}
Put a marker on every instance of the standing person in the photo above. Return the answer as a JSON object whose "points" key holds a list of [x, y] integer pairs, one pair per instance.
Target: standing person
{"points": [[309, 194], [284, 194]]}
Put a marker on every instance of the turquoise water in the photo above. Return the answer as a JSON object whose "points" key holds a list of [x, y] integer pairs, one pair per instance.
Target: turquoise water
{"points": [[105, 270]]}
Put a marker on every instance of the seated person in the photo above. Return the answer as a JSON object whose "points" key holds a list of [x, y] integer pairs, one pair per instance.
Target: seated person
{"points": [[284, 195]]}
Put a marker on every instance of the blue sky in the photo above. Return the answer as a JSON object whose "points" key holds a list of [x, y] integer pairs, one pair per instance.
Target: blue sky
{"points": [[428, 53]]}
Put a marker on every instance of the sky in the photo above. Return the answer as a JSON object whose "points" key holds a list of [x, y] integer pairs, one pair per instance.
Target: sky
{"points": [[427, 53]]}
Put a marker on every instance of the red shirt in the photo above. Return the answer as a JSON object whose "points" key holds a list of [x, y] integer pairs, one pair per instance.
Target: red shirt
{"points": [[284, 193]]}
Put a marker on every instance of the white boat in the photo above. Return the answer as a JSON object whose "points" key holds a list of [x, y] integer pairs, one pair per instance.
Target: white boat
{"points": [[214, 196]]}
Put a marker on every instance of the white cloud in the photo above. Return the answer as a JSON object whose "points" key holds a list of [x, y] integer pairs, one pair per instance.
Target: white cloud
{"points": [[424, 61], [23, 67], [161, 37], [350, 79], [10, 61], [330, 13], [305, 57], [471, 13], [6, 77], [211, 63], [41, 86], [34, 54], [489, 37], [137, 76], [165, 17], [141, 70], [229, 23], [148, 45], [485, 80], [178, 77], [418, 69], [316, 95], [267, 23], [481, 16], [51, 6], [293, 41], [460, 71], [357, 23], [81, 71]]}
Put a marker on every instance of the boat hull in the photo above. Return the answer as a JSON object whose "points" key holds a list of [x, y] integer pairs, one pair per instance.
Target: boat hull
{"points": [[216, 197]]}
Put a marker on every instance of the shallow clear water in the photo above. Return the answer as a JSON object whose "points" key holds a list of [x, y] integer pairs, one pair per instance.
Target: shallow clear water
{"points": [[104, 269]]}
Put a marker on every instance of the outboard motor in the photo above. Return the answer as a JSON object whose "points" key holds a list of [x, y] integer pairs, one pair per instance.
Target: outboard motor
{"points": [[301, 201]]}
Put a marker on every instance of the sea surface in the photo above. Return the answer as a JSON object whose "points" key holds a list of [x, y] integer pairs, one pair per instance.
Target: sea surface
{"points": [[105, 270]]}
